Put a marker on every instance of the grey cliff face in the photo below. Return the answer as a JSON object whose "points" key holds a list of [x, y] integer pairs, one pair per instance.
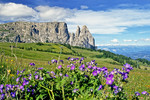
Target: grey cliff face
{"points": [[54, 32]]}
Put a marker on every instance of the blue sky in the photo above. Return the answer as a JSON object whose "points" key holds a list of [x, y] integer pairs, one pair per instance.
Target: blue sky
{"points": [[111, 22]]}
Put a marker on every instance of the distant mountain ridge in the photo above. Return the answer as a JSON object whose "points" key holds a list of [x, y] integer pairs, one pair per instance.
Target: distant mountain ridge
{"points": [[134, 52], [46, 32]]}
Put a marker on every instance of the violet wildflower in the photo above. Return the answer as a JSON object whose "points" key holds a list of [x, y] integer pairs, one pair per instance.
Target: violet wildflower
{"points": [[94, 73], [29, 77], [54, 61], [2, 96], [53, 73], [72, 59], [21, 88], [60, 74], [115, 91], [40, 68], [68, 58], [40, 78], [13, 94], [66, 75], [17, 80], [75, 90], [109, 81], [36, 76], [100, 87], [137, 93], [144, 92], [60, 66], [94, 68], [61, 61], [115, 87], [127, 65], [17, 72], [71, 83], [1, 90], [89, 66], [1, 86], [72, 67]]}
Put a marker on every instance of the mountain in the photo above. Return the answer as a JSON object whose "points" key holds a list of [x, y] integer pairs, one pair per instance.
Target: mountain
{"points": [[46, 32], [134, 52]]}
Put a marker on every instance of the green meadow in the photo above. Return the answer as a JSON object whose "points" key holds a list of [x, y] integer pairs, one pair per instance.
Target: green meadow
{"points": [[18, 56]]}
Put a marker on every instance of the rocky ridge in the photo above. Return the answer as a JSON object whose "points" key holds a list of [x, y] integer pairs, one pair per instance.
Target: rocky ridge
{"points": [[47, 32]]}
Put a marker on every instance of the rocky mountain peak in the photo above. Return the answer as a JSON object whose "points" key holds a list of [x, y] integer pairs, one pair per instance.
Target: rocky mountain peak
{"points": [[55, 32]]}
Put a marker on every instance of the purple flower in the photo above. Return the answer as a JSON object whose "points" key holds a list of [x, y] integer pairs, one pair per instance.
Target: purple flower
{"points": [[60, 74], [29, 77], [94, 68], [72, 59], [75, 90], [94, 73], [28, 89], [68, 58], [109, 81], [13, 94], [82, 58], [21, 88], [123, 68], [54, 61], [115, 91], [60, 66], [36, 76], [71, 83], [137, 93], [125, 75], [89, 66], [1, 90], [17, 80], [17, 72], [115, 87], [61, 61], [144, 92], [40, 68], [40, 78], [2, 96], [66, 75], [127, 65], [72, 67], [100, 87], [1, 86], [32, 64], [53, 73]]}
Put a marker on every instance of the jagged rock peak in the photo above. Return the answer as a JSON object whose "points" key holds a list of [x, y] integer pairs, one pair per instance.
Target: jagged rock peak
{"points": [[54, 32]]}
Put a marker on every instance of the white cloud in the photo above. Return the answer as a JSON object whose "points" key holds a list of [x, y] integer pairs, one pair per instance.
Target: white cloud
{"points": [[47, 13], [84, 7], [113, 21], [127, 40], [12, 11], [114, 40], [148, 39]]}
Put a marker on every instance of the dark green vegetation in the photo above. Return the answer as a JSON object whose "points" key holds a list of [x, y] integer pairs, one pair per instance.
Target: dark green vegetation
{"points": [[18, 56]]}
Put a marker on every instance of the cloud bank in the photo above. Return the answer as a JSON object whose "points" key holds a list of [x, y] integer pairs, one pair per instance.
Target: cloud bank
{"points": [[112, 21]]}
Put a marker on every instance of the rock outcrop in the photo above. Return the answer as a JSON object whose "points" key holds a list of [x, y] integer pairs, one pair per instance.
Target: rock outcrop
{"points": [[54, 32]]}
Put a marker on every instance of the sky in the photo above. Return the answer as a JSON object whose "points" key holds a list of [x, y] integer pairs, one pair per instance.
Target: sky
{"points": [[111, 22]]}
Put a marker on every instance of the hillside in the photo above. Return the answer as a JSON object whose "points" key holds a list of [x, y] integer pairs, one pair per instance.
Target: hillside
{"points": [[19, 55]]}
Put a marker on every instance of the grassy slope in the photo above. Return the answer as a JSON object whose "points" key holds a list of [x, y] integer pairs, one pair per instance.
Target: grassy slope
{"points": [[138, 80]]}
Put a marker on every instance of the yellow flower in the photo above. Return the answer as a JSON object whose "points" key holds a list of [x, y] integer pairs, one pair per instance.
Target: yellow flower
{"points": [[11, 60], [11, 75], [8, 71], [2, 66], [6, 59]]}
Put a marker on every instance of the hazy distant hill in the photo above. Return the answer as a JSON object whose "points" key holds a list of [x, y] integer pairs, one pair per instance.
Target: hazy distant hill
{"points": [[129, 51]]}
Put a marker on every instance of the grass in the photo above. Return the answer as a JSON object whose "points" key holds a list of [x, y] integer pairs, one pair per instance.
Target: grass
{"points": [[139, 79]]}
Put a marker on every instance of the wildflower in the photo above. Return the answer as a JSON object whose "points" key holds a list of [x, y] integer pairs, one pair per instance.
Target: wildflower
{"points": [[94, 68], [60, 74], [72, 59], [109, 81], [29, 77], [2, 96], [17, 80], [32, 64], [60, 66], [21, 88], [17, 72], [8, 71], [66, 75], [40, 78], [137, 93], [61, 61], [115, 87], [72, 67], [94, 73], [54, 61], [11, 75], [144, 92], [75, 90], [115, 91], [13, 94], [68, 58], [1, 86], [40, 68], [100, 87], [53, 73], [71, 83], [89, 66], [36, 76]]}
